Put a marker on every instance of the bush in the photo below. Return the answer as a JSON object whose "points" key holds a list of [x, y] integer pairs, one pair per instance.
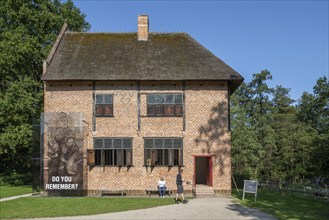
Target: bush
{"points": [[16, 179]]}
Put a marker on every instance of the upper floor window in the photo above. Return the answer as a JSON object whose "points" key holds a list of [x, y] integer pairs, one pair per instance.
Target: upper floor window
{"points": [[113, 151], [164, 105], [104, 105], [163, 152]]}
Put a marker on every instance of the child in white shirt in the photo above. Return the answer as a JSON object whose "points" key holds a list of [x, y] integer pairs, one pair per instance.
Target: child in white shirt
{"points": [[162, 187]]}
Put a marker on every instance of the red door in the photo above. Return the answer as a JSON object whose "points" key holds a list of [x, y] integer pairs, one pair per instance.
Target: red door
{"points": [[203, 169]]}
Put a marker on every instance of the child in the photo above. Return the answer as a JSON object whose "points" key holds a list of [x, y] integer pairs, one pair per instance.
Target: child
{"points": [[162, 187]]}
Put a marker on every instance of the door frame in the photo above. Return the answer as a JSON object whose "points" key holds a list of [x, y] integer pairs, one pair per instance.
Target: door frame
{"points": [[210, 167]]}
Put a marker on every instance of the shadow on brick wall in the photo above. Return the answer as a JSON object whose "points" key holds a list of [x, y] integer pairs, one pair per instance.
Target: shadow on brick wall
{"points": [[215, 135]]}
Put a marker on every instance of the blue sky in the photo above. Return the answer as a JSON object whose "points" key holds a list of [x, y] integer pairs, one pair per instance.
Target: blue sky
{"points": [[288, 38]]}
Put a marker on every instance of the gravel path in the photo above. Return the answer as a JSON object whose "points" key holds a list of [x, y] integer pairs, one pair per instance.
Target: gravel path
{"points": [[15, 197]]}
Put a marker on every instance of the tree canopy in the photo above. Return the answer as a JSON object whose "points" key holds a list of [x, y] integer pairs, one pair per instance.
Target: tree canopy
{"points": [[271, 139], [28, 29]]}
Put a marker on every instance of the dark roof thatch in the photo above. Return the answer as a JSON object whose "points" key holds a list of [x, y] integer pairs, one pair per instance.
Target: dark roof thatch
{"points": [[108, 56]]}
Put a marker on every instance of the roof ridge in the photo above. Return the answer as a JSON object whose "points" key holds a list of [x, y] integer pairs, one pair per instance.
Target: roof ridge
{"points": [[152, 33], [74, 32]]}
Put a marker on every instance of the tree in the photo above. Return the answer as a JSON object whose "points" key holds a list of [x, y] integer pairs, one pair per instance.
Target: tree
{"points": [[281, 99], [313, 109], [262, 120], [16, 108], [268, 139], [302, 132], [321, 105], [245, 147], [261, 92], [253, 139], [28, 30], [294, 144]]}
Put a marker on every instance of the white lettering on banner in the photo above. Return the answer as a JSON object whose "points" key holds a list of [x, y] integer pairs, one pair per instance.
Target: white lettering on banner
{"points": [[62, 186], [63, 178], [66, 178], [55, 178]]}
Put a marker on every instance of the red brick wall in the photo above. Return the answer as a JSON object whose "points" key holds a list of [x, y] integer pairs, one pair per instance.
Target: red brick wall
{"points": [[206, 129]]}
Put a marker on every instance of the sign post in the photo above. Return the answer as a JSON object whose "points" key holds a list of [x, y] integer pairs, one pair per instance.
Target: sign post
{"points": [[250, 186]]}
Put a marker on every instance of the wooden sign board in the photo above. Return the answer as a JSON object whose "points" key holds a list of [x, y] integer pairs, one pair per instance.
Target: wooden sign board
{"points": [[250, 186]]}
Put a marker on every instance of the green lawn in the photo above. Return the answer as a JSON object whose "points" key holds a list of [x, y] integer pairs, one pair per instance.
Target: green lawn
{"points": [[285, 206], [39, 207], [7, 191]]}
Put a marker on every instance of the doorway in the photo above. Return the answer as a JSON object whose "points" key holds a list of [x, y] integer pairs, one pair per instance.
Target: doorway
{"points": [[203, 170]]}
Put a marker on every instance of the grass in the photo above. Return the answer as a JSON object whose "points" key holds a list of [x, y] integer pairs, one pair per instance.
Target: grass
{"points": [[40, 207], [7, 191], [284, 206], [278, 204]]}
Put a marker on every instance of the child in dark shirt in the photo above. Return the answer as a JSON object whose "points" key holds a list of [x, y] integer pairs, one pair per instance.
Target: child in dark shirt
{"points": [[180, 188]]}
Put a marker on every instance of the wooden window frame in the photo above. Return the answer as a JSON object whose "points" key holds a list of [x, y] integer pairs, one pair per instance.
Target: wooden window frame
{"points": [[118, 156], [103, 107], [172, 109], [167, 153]]}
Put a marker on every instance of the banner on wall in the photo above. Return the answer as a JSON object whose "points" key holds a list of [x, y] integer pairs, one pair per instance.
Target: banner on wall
{"points": [[63, 135]]}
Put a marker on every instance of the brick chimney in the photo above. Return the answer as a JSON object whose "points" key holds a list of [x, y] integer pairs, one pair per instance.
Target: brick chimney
{"points": [[143, 27]]}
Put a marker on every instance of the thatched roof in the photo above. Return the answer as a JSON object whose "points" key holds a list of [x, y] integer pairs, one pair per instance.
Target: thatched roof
{"points": [[120, 56]]}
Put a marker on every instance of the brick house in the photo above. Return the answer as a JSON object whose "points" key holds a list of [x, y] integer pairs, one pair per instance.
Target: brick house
{"points": [[123, 109]]}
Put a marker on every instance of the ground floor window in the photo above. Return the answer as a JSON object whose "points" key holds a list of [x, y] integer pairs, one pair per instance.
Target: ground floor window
{"points": [[113, 151], [163, 152]]}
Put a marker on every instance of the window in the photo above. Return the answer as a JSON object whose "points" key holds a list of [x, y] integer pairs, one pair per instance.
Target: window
{"points": [[165, 105], [113, 151], [104, 105], [163, 152]]}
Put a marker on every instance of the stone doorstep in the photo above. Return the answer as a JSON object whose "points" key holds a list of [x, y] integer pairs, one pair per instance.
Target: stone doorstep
{"points": [[204, 191]]}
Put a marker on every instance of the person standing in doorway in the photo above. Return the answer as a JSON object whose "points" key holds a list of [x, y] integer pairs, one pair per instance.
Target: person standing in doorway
{"points": [[180, 188]]}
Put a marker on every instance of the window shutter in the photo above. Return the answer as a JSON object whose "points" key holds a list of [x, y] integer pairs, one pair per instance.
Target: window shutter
{"points": [[153, 157], [147, 157], [108, 110], [120, 157], [179, 109], [99, 110], [150, 110], [171, 158], [90, 157], [159, 110], [169, 110], [180, 157], [129, 158]]}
